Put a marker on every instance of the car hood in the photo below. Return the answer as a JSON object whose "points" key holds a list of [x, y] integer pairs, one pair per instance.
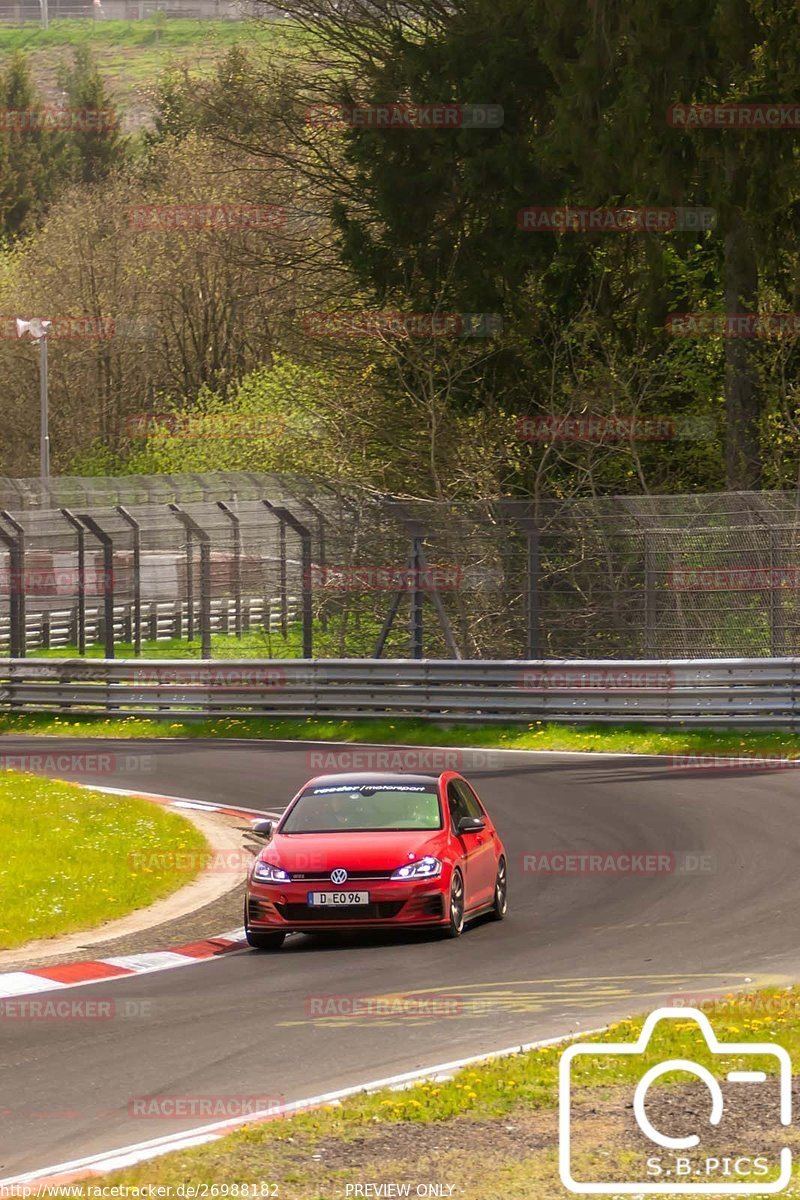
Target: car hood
{"points": [[312, 852]]}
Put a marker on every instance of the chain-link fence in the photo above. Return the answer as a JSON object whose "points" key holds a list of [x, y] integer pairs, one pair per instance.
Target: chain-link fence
{"points": [[291, 566]]}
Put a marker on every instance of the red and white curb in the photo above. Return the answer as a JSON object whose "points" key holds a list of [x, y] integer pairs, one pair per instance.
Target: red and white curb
{"points": [[100, 970], [129, 1156]]}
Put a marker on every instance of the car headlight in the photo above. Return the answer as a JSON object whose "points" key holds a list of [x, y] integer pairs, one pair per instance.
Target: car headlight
{"points": [[265, 872], [426, 868]]}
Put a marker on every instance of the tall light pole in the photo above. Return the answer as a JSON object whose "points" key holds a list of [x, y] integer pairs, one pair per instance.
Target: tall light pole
{"points": [[38, 329]]}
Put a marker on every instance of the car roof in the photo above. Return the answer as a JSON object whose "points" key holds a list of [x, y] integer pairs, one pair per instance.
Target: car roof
{"points": [[373, 777]]}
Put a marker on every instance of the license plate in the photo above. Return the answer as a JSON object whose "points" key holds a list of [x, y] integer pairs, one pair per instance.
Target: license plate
{"points": [[337, 899]]}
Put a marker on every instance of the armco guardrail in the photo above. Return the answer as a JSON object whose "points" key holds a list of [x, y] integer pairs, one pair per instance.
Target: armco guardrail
{"points": [[721, 692]]}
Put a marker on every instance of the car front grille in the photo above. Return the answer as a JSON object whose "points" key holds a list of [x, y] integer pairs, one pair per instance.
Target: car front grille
{"points": [[382, 910]]}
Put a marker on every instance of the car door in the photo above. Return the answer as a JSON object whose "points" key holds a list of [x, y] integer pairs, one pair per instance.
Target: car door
{"points": [[483, 853], [470, 845]]}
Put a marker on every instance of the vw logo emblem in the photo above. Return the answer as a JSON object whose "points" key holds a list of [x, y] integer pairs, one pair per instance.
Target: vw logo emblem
{"points": [[339, 875]]}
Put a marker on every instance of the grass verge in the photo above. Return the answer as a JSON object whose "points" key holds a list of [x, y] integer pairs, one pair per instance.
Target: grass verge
{"points": [[636, 739], [491, 1130], [73, 859]]}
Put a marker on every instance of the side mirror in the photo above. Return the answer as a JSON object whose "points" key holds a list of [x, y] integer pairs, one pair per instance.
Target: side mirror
{"points": [[263, 828], [470, 825]]}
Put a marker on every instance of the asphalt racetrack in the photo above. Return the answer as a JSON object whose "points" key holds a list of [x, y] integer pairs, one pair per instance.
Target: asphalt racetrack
{"points": [[575, 951]]}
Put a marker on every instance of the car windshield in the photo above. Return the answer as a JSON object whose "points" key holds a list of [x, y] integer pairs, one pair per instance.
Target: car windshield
{"points": [[342, 808]]}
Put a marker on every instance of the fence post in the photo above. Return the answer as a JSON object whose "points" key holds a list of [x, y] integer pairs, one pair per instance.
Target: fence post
{"points": [[13, 598], [236, 534], [17, 592], [193, 530], [650, 599], [775, 602], [81, 613], [130, 520], [415, 620], [107, 543], [287, 518]]}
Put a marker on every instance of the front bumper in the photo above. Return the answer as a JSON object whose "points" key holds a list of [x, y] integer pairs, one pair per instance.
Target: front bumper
{"points": [[396, 903]]}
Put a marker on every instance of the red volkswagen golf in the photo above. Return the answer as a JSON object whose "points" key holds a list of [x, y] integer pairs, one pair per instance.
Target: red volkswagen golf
{"points": [[374, 851]]}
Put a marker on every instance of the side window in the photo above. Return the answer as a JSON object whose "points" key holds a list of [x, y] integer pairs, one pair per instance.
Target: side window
{"points": [[455, 803], [469, 800]]}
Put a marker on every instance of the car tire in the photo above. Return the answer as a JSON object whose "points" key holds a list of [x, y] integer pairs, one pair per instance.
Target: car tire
{"points": [[455, 907], [500, 902], [263, 940]]}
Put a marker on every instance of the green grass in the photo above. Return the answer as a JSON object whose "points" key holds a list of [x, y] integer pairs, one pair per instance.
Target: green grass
{"points": [[130, 55], [356, 639], [490, 1130], [398, 731], [73, 859]]}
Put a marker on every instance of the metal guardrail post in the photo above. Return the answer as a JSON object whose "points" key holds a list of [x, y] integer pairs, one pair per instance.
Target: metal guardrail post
{"points": [[193, 530], [130, 520], [107, 542], [80, 532], [236, 533], [18, 588], [287, 518]]}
